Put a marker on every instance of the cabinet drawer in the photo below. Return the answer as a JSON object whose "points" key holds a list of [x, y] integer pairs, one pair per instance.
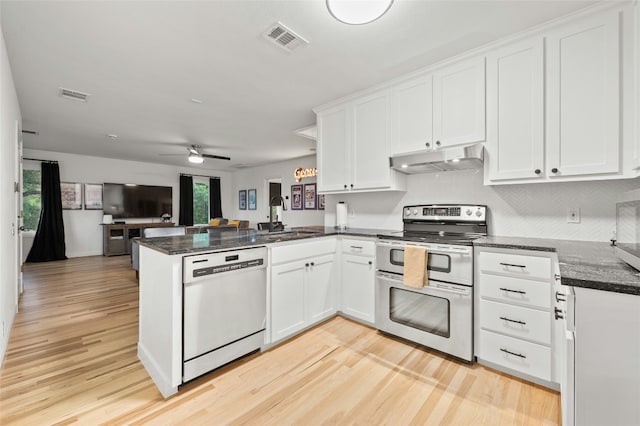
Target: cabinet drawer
{"points": [[359, 247], [292, 250], [525, 357], [516, 321], [515, 265], [536, 294]]}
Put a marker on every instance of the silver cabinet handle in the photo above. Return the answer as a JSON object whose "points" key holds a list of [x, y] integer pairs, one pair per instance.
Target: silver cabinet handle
{"points": [[560, 297], [557, 313], [513, 264], [513, 291], [512, 353], [357, 247], [515, 321]]}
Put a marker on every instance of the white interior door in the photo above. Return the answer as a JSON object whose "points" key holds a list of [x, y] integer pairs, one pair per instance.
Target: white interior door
{"points": [[18, 206]]}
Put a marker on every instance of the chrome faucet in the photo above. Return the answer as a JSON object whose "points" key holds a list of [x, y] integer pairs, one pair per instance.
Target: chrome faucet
{"points": [[280, 200]]}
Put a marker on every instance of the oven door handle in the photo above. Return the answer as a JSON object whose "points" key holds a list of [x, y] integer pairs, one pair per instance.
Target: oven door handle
{"points": [[398, 283], [431, 248]]}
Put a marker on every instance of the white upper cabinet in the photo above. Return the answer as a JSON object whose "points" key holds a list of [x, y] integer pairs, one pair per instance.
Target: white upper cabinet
{"points": [[636, 73], [412, 115], [459, 103], [370, 147], [353, 146], [333, 149], [583, 107], [440, 109], [515, 111]]}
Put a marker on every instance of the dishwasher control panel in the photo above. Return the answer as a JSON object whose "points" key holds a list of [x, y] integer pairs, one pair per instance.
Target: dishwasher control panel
{"points": [[201, 266], [218, 269]]}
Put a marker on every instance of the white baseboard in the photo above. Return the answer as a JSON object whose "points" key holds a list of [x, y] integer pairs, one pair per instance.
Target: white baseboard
{"points": [[159, 378], [84, 253]]}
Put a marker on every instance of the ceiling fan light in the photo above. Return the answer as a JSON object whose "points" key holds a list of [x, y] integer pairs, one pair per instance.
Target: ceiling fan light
{"points": [[358, 12], [196, 159]]}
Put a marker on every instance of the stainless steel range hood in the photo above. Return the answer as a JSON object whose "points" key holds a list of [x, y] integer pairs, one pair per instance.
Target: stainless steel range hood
{"points": [[444, 159]]}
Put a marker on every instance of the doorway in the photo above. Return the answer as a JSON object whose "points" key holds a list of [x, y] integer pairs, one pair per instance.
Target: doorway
{"points": [[274, 189]]}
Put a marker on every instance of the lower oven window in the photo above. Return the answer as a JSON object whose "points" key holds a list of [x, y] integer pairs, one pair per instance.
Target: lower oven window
{"points": [[421, 311]]}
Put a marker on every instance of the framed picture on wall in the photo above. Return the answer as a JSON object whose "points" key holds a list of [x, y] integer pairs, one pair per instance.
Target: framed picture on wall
{"points": [[93, 196], [296, 197], [71, 195], [320, 201], [242, 199], [310, 196], [252, 199]]}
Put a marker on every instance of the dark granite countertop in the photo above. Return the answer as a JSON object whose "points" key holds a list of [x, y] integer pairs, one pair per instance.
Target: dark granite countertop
{"points": [[582, 263], [225, 239]]}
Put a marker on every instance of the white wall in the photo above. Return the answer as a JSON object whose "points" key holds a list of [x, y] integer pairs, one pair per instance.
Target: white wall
{"points": [[83, 233], [529, 210], [257, 178], [9, 116]]}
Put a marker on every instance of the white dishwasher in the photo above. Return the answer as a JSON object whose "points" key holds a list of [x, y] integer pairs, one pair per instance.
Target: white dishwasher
{"points": [[224, 308]]}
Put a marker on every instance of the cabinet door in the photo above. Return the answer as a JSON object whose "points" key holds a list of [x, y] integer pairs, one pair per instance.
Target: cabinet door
{"points": [[636, 163], [515, 111], [287, 299], [320, 296], [371, 134], [412, 115], [358, 287], [583, 97], [333, 149], [459, 104]]}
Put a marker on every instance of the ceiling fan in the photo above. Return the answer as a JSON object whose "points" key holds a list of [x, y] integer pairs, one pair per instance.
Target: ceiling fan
{"points": [[196, 155]]}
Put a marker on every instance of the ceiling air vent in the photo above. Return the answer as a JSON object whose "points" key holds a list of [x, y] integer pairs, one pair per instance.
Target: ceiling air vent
{"points": [[284, 37], [74, 94]]}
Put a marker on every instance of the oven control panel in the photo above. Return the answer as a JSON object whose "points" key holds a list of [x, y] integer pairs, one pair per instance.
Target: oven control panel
{"points": [[448, 212]]}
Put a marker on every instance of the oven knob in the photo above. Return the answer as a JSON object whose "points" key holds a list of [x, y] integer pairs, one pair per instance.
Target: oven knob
{"points": [[478, 213], [415, 211], [408, 212], [468, 212]]}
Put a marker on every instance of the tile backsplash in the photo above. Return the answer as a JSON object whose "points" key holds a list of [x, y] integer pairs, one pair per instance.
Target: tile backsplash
{"points": [[527, 210]]}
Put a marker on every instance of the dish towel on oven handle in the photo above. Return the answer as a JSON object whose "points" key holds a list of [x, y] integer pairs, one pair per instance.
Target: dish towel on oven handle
{"points": [[415, 266]]}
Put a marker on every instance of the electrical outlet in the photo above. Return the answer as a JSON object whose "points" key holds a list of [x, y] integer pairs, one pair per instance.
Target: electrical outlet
{"points": [[573, 215]]}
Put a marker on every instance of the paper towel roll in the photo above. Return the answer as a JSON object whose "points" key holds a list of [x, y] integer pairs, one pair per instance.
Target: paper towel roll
{"points": [[342, 213]]}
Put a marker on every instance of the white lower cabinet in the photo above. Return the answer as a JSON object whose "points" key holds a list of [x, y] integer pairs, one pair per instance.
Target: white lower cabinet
{"points": [[515, 328], [287, 299], [302, 286], [358, 287], [358, 270]]}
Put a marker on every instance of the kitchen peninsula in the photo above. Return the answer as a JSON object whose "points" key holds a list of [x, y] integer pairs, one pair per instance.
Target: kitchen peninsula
{"points": [[163, 266]]}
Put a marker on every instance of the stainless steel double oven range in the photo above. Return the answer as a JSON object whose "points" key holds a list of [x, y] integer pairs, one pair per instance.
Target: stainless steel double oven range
{"points": [[439, 315]]}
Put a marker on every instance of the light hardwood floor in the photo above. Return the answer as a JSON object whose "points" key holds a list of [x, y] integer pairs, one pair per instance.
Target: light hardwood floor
{"points": [[72, 358]]}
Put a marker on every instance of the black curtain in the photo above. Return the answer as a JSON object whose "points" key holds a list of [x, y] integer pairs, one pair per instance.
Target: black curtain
{"points": [[215, 198], [48, 244], [186, 201]]}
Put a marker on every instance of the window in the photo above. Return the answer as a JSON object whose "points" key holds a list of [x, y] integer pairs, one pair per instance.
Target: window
{"points": [[31, 199], [200, 202]]}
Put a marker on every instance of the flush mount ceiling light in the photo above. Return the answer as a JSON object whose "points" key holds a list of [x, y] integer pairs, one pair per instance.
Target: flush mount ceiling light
{"points": [[195, 158], [358, 12]]}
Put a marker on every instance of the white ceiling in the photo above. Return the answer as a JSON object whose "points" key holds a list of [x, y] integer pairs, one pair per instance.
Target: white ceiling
{"points": [[142, 63]]}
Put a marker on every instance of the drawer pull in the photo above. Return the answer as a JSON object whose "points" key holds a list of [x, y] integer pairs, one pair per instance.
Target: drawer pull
{"points": [[356, 247], [512, 353], [510, 320], [560, 297], [513, 291], [558, 313], [513, 265]]}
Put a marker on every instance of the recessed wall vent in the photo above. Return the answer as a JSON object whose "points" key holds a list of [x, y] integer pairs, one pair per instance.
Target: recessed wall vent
{"points": [[284, 37], [74, 94]]}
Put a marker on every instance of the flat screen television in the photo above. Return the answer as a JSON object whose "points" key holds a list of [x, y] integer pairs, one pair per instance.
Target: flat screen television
{"points": [[140, 201]]}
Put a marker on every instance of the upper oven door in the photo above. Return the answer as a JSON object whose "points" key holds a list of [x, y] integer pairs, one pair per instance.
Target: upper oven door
{"points": [[452, 263]]}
